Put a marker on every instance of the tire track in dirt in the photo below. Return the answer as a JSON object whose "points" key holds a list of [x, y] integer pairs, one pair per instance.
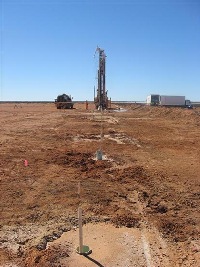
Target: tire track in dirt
{"points": [[154, 247]]}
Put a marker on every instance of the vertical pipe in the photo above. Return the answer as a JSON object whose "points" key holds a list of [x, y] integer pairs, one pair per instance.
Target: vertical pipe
{"points": [[101, 128], [79, 188], [80, 230]]}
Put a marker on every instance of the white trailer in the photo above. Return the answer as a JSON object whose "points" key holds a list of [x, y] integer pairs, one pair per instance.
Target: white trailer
{"points": [[167, 100]]}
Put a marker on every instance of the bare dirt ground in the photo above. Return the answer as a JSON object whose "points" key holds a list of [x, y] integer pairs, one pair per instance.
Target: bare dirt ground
{"points": [[141, 204]]}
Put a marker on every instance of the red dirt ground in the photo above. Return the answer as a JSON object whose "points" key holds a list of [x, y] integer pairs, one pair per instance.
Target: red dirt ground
{"points": [[150, 176]]}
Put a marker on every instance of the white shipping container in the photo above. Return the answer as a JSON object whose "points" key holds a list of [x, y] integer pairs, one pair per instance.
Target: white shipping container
{"points": [[166, 100]]}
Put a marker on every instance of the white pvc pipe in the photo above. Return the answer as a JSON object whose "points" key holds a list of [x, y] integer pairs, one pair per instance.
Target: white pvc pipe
{"points": [[80, 230]]}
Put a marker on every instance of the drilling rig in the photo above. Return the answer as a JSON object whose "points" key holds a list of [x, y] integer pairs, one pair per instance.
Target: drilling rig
{"points": [[101, 99]]}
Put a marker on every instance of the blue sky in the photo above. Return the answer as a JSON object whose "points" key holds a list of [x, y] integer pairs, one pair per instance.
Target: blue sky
{"points": [[47, 48]]}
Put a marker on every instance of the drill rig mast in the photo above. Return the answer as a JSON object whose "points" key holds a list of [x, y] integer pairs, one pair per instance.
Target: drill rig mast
{"points": [[101, 99]]}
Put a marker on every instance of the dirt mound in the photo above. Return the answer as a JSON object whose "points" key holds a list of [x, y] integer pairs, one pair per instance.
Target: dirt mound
{"points": [[46, 258], [167, 112]]}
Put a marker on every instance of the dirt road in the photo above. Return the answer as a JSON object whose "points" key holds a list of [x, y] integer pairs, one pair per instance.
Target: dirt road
{"points": [[141, 203]]}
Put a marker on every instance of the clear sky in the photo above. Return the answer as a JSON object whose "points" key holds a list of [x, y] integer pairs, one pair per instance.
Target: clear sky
{"points": [[48, 46]]}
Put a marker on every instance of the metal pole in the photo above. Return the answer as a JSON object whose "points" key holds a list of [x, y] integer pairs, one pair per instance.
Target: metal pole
{"points": [[101, 128]]}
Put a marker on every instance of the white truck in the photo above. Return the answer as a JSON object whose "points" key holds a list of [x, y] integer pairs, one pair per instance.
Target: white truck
{"points": [[153, 100], [168, 101]]}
